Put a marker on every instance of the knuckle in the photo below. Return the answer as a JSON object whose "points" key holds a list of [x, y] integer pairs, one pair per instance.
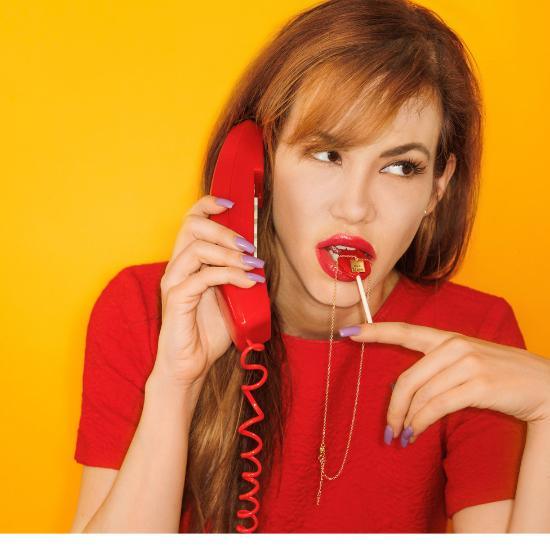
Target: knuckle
{"points": [[421, 396], [191, 222], [402, 380], [438, 405], [458, 344], [197, 248], [473, 363], [480, 385]]}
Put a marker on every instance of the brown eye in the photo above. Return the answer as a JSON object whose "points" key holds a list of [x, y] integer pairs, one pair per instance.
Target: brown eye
{"points": [[332, 156], [408, 168]]}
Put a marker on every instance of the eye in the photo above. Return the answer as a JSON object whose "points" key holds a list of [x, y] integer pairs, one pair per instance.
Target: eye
{"points": [[411, 167], [328, 154]]}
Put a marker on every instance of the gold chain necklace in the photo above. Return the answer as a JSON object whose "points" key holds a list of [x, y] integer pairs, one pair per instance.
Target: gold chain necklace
{"points": [[356, 266]]}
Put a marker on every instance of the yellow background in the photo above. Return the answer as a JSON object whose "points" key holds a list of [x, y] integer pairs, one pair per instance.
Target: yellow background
{"points": [[105, 110]]}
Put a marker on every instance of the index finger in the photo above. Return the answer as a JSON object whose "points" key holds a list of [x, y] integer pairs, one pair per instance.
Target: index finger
{"points": [[416, 337]]}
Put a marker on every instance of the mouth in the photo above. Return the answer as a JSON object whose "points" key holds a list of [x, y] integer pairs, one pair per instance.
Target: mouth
{"points": [[343, 243], [346, 251], [338, 257]]}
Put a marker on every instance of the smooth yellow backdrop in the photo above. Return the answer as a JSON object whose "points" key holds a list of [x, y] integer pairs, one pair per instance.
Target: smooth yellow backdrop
{"points": [[105, 110]]}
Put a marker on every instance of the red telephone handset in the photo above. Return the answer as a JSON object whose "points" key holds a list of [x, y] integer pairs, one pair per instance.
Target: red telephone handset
{"points": [[239, 176]]}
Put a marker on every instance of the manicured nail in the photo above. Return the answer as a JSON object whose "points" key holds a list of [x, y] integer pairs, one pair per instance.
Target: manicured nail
{"points": [[256, 277], [252, 260], [388, 435], [224, 202], [405, 436], [350, 331], [244, 245]]}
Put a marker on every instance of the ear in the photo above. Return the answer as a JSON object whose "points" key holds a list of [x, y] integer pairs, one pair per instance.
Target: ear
{"points": [[440, 184]]}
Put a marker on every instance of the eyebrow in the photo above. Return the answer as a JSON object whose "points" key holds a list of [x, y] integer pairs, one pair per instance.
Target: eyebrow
{"points": [[399, 150]]}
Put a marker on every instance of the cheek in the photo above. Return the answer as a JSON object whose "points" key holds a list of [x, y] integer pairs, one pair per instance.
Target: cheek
{"points": [[294, 201], [401, 223]]}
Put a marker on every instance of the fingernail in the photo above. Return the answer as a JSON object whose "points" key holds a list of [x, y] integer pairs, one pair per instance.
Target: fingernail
{"points": [[224, 202], [405, 436], [256, 277], [350, 331], [388, 435], [252, 260], [244, 245]]}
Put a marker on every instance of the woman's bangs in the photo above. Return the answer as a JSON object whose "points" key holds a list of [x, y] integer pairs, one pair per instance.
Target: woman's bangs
{"points": [[345, 108]]}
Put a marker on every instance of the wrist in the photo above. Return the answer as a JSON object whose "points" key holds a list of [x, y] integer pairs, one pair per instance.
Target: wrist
{"points": [[541, 425], [164, 385]]}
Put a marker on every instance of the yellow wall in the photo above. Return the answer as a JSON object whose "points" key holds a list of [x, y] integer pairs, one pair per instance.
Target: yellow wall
{"points": [[105, 110]]}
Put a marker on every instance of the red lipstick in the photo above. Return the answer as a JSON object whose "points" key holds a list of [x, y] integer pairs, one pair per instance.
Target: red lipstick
{"points": [[349, 240], [363, 250]]}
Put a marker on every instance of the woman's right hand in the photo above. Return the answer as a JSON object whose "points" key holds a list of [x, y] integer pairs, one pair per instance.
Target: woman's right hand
{"points": [[193, 333]]}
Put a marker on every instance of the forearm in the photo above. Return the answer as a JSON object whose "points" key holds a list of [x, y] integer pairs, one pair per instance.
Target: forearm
{"points": [[531, 510], [146, 495]]}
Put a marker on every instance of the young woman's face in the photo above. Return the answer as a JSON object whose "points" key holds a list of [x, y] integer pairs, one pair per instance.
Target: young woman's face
{"points": [[367, 191]]}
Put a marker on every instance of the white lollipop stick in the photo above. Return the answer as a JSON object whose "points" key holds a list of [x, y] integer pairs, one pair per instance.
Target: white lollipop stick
{"points": [[364, 299]]}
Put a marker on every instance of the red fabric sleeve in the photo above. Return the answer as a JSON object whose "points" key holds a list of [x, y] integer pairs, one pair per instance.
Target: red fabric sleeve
{"points": [[117, 363], [484, 447]]}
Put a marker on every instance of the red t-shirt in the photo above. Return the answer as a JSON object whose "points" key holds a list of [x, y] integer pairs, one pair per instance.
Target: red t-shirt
{"points": [[469, 457]]}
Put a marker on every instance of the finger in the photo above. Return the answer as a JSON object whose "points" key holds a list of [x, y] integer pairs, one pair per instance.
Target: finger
{"points": [[201, 209], [457, 373], [416, 337], [198, 254], [185, 296], [465, 395], [197, 228], [415, 377]]}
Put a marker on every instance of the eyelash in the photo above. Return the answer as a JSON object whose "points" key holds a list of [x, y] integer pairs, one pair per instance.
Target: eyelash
{"points": [[418, 167]]}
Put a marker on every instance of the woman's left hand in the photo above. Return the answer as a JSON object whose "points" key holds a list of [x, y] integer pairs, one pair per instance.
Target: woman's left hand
{"points": [[459, 371]]}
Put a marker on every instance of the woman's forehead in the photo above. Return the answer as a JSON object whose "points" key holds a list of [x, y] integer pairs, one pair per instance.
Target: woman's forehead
{"points": [[417, 118]]}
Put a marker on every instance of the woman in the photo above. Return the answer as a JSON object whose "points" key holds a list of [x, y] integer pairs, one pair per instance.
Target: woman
{"points": [[372, 120]]}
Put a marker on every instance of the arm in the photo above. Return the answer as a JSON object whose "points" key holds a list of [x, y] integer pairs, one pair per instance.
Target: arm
{"points": [[147, 493], [529, 512]]}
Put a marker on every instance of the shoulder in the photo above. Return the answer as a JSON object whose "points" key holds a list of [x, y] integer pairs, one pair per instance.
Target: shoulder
{"points": [[461, 308], [123, 328], [134, 291]]}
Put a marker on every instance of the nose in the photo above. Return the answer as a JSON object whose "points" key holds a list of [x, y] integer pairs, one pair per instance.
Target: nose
{"points": [[354, 202]]}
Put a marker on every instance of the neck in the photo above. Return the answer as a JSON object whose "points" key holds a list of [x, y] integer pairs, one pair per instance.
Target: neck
{"points": [[304, 316]]}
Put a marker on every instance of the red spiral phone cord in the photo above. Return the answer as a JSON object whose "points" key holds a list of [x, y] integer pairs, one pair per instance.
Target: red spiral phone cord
{"points": [[250, 455]]}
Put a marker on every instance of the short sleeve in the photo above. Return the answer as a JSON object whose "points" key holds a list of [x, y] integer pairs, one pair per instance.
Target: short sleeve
{"points": [[117, 363], [484, 447]]}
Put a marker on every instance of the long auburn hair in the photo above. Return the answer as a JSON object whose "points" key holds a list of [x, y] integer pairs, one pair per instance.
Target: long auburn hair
{"points": [[363, 59]]}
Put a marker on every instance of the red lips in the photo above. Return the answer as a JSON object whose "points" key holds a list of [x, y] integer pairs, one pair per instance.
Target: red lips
{"points": [[349, 240]]}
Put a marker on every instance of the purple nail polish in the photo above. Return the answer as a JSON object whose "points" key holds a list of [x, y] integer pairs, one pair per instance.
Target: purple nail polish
{"points": [[388, 435], [256, 277], [244, 245], [350, 331], [224, 202], [407, 432], [252, 260]]}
